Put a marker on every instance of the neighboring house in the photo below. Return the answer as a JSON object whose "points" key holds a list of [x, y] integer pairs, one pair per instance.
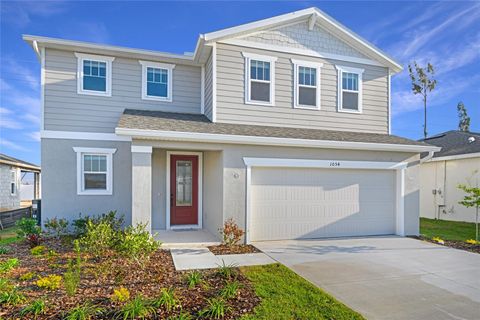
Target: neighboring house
{"points": [[457, 163], [11, 170], [282, 124]]}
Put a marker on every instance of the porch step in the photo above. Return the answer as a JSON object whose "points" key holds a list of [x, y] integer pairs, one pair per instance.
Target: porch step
{"points": [[172, 239]]}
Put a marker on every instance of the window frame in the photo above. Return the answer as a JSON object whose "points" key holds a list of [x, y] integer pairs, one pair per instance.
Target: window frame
{"points": [[81, 57], [248, 81], [14, 181], [296, 83], [81, 152], [157, 65], [340, 90]]}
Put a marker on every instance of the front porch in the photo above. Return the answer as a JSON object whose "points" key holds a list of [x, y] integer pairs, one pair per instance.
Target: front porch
{"points": [[178, 238]]}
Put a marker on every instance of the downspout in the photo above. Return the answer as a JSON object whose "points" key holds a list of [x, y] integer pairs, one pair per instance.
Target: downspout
{"points": [[428, 157]]}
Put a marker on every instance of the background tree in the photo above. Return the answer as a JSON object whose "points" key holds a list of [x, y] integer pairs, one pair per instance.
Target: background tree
{"points": [[471, 200], [422, 83], [464, 119]]}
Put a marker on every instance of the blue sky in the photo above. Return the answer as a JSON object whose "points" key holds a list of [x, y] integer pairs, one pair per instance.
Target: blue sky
{"points": [[445, 33]]}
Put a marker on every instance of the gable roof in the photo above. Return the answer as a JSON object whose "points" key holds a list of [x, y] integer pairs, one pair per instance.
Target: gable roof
{"points": [[18, 163], [312, 16], [198, 128], [454, 143]]}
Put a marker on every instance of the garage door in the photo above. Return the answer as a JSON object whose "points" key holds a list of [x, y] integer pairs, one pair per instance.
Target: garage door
{"points": [[293, 203]]}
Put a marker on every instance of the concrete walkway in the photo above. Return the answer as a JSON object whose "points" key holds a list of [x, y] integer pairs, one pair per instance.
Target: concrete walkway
{"points": [[388, 277], [203, 258]]}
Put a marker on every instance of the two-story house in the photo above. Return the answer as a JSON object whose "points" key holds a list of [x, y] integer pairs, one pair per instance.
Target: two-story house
{"points": [[282, 124]]}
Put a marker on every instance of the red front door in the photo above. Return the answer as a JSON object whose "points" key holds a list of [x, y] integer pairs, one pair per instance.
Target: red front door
{"points": [[183, 189]]}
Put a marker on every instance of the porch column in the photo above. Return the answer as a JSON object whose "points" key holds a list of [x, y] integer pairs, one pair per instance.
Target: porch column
{"points": [[142, 186]]}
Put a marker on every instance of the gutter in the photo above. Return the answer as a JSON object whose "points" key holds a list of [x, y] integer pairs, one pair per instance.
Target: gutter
{"points": [[269, 141], [428, 157]]}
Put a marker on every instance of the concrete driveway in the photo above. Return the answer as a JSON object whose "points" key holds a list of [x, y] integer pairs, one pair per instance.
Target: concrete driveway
{"points": [[388, 277]]}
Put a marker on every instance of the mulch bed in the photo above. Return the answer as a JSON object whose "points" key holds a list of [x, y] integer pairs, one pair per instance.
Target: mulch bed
{"points": [[100, 278], [236, 249], [462, 245]]}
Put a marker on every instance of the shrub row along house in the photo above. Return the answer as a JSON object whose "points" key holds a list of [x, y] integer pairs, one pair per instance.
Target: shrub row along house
{"points": [[282, 124]]}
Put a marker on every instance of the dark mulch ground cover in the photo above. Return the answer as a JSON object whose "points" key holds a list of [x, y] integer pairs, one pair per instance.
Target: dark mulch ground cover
{"points": [[462, 245], [235, 249], [100, 277]]}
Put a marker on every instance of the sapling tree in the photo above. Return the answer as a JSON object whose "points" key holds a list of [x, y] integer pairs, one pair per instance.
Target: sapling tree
{"points": [[463, 118], [422, 83], [471, 200]]}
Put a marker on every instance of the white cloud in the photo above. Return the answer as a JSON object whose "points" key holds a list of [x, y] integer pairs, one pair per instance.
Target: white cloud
{"points": [[11, 145], [35, 136], [87, 31], [21, 13]]}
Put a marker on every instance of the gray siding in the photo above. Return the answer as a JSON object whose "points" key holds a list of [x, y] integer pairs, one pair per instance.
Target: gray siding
{"points": [[230, 95], [59, 181], [209, 87], [66, 110]]}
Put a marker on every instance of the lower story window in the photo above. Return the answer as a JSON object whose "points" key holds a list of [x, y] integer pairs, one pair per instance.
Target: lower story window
{"points": [[13, 182], [94, 171]]}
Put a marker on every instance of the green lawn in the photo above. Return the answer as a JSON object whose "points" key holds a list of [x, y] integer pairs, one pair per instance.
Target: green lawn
{"points": [[8, 235], [447, 230], [285, 295]]}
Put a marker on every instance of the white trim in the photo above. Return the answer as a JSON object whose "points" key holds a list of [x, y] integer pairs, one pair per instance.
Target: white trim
{"points": [[142, 149], [389, 103], [399, 167], [202, 90], [296, 85], [271, 141], [359, 72], [248, 81], [42, 88], [73, 135], [299, 51], [108, 152], [200, 190], [214, 82], [302, 15], [456, 157], [157, 65], [108, 74], [311, 21]]}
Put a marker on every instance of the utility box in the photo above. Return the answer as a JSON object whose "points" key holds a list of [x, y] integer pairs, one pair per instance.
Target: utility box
{"points": [[37, 210]]}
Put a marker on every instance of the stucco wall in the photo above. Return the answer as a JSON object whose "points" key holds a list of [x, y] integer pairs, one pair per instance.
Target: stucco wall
{"points": [[445, 176], [8, 200]]}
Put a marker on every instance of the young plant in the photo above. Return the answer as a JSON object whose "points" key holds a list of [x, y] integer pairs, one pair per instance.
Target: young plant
{"points": [[33, 240], [4, 250], [27, 226], [8, 265], [85, 311], [227, 271], [12, 298], [56, 226], [182, 316], [34, 309], [120, 295], [138, 308], [167, 300], [71, 278], [472, 200], [230, 290], [216, 308], [51, 282], [231, 233], [38, 250], [194, 278], [136, 243], [27, 276], [5, 285], [98, 238]]}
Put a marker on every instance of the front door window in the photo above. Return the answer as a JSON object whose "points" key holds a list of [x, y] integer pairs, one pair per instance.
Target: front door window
{"points": [[184, 183]]}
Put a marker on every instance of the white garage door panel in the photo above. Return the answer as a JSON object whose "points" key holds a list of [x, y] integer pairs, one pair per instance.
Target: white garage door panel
{"points": [[291, 203]]}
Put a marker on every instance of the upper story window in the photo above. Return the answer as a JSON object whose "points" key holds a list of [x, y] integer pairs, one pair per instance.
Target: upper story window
{"points": [[94, 74], [13, 181], [157, 81], [349, 89], [94, 171], [259, 79], [306, 89]]}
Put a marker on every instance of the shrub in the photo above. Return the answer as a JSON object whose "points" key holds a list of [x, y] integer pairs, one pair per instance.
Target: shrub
{"points": [[27, 276], [138, 308], [4, 250], [33, 240], [136, 243], [230, 290], [194, 278], [38, 250], [36, 308], [231, 233], [51, 282], [12, 297], [56, 226], [8, 265], [98, 238], [85, 311], [71, 278], [438, 240], [120, 295], [227, 271], [216, 308], [27, 226], [472, 241], [167, 299], [80, 224]]}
